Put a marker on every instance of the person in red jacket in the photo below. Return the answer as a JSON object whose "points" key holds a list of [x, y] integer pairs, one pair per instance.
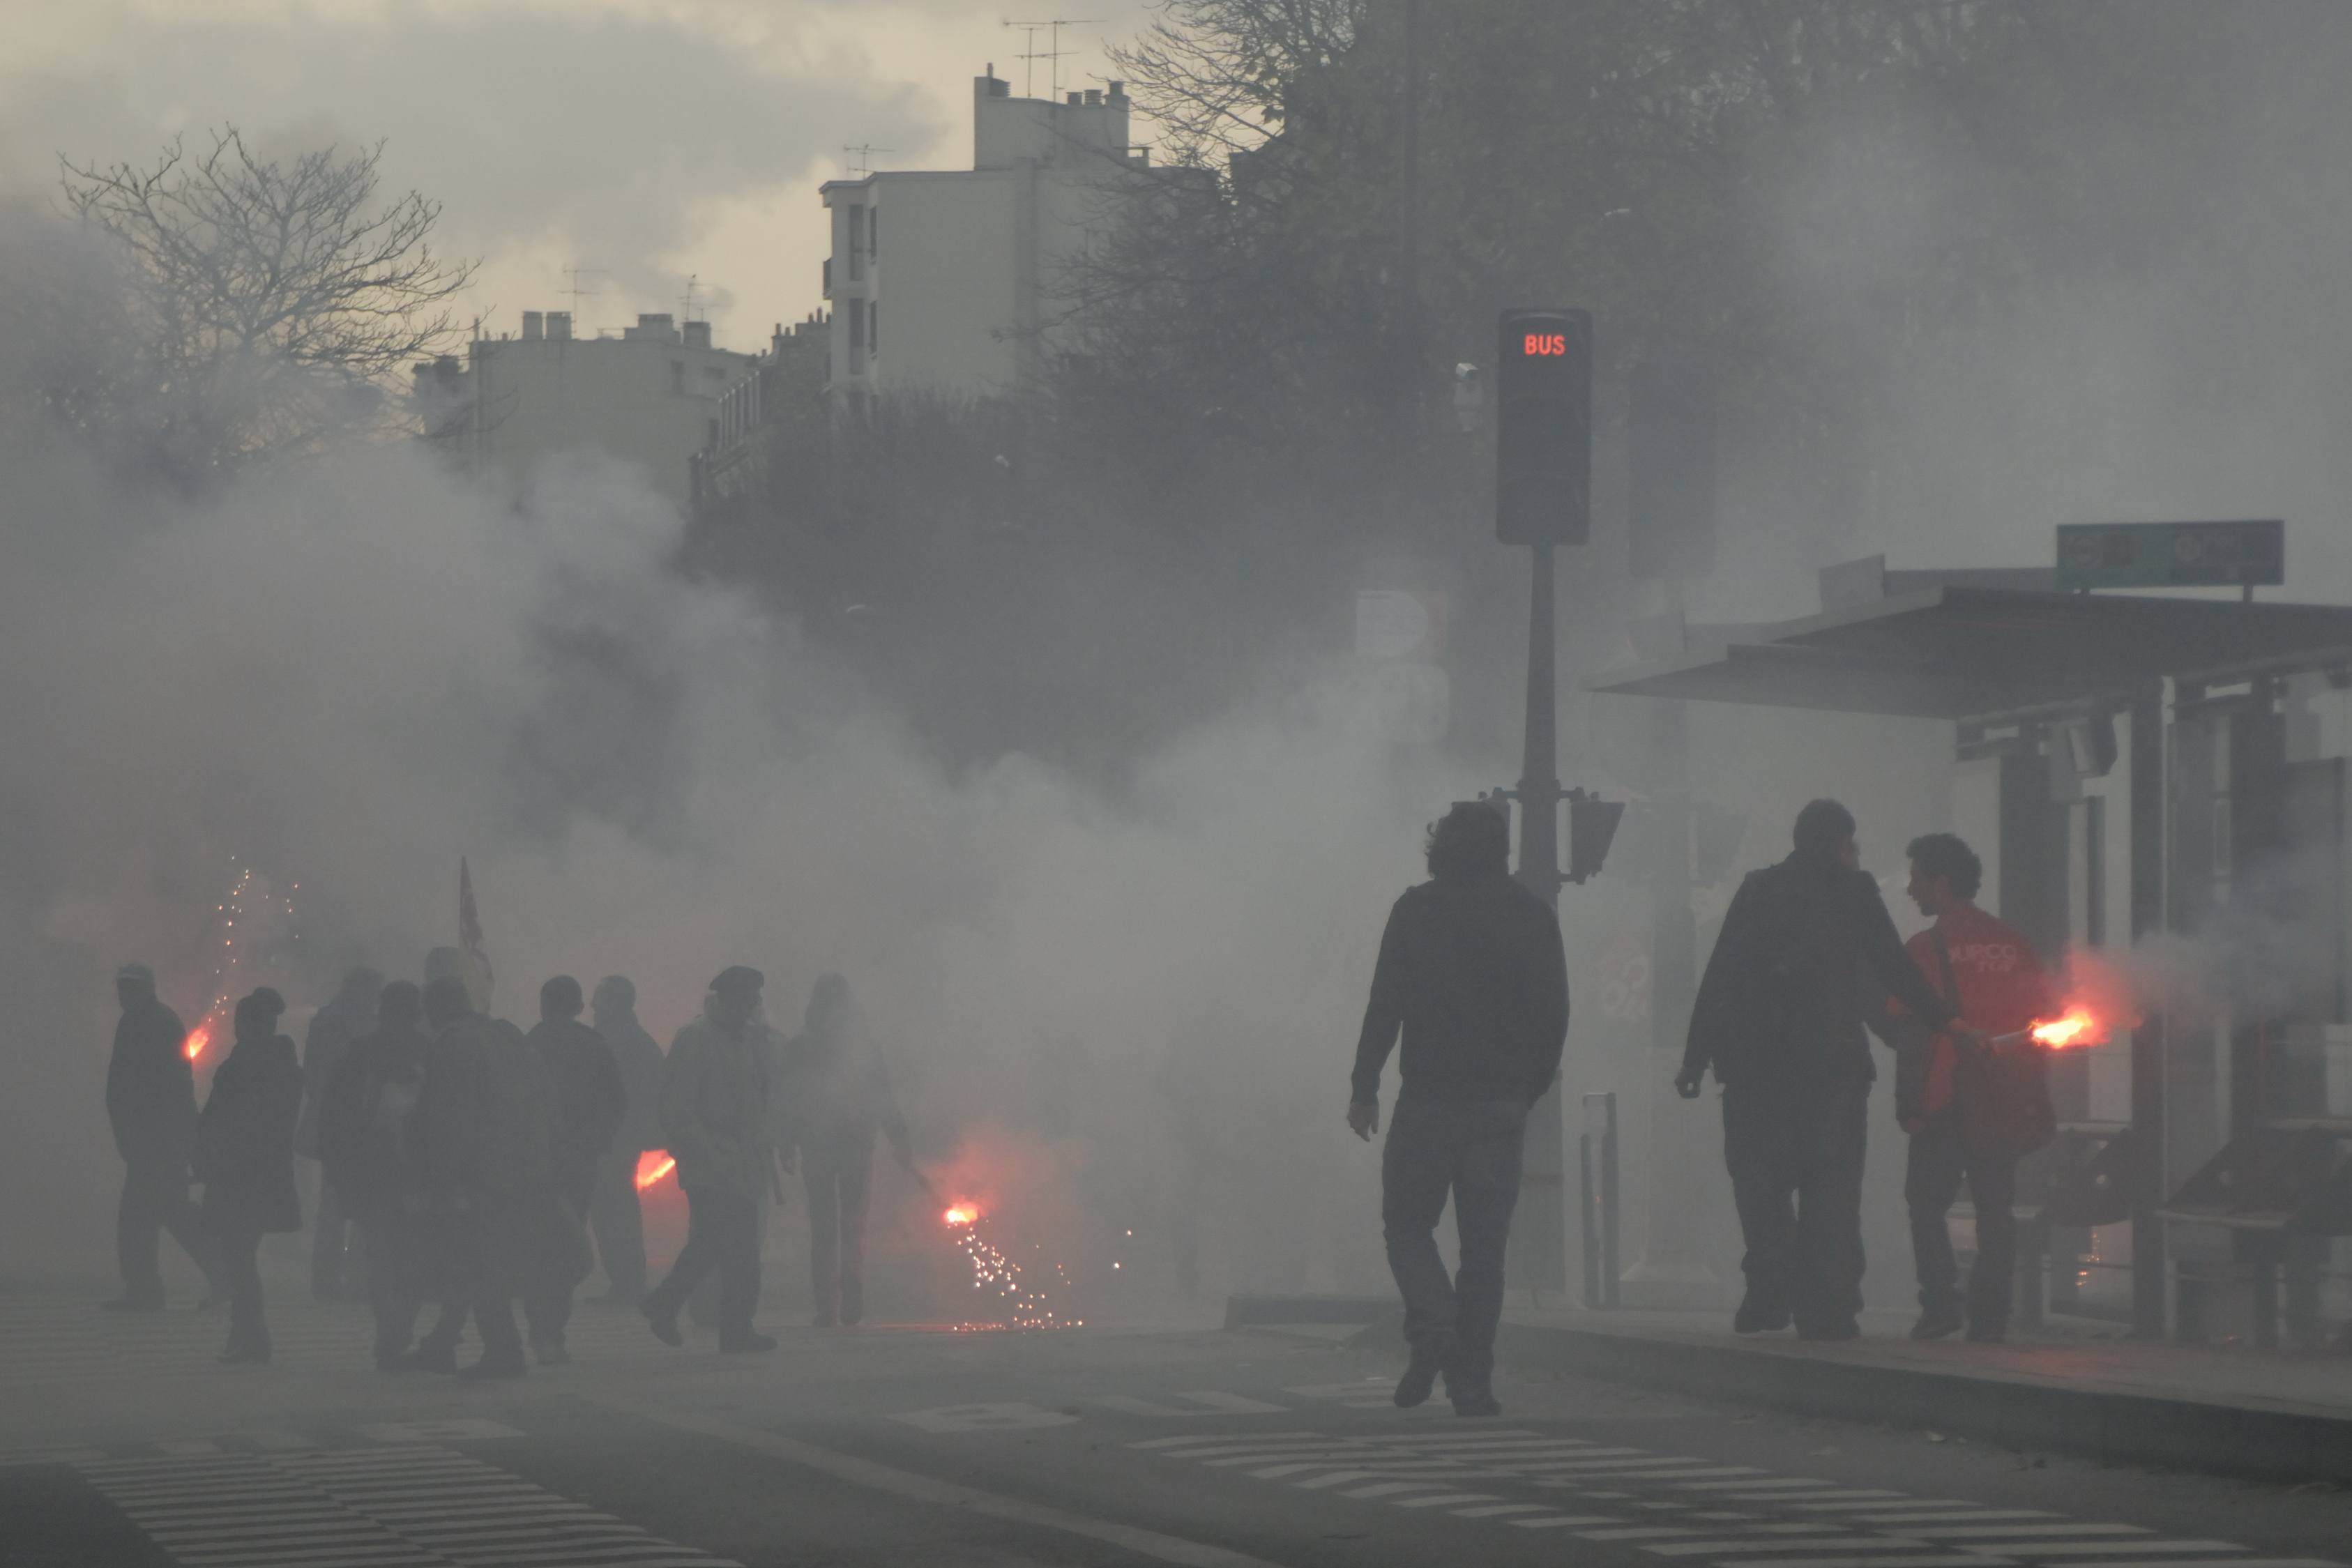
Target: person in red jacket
{"points": [[1985, 967]]}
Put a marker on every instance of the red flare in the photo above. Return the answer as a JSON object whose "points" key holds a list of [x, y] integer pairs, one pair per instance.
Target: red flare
{"points": [[652, 1165], [198, 1038], [2079, 1028]]}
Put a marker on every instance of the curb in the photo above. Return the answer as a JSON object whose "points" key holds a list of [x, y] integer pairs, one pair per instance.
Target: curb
{"points": [[2009, 1412]]}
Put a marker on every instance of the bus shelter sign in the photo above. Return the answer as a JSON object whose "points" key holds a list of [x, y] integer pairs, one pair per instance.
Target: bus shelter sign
{"points": [[2172, 555]]}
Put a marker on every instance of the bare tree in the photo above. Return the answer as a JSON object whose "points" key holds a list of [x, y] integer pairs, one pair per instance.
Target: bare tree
{"points": [[274, 300]]}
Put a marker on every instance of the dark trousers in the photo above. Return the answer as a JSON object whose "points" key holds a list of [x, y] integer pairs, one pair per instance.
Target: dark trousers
{"points": [[1795, 1154], [1941, 1157], [1470, 1149], [155, 1199], [722, 1235], [338, 1255], [837, 1168], [395, 1244], [240, 1267], [548, 1306], [618, 1220]]}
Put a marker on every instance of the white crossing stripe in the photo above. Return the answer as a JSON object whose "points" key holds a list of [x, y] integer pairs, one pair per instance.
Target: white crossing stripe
{"points": [[1445, 1498], [1493, 1510], [1390, 1489], [1981, 1532], [1944, 1561], [2110, 1548], [1554, 1520], [1810, 1543]]}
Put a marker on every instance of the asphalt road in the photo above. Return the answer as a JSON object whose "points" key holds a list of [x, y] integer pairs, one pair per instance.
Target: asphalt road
{"points": [[122, 1443]]}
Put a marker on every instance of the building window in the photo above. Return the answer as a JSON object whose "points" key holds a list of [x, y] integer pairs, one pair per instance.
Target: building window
{"points": [[676, 376], [873, 326], [856, 235], [874, 232]]}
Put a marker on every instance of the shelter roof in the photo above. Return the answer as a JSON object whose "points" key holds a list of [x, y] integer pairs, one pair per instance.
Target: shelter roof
{"points": [[1958, 651]]}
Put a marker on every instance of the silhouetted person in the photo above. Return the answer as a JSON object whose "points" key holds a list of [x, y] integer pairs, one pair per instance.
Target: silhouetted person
{"points": [[716, 1090], [151, 1102], [488, 1133], [589, 1103], [1471, 971], [372, 1149], [1986, 968], [615, 1213], [837, 1096], [245, 1157], [349, 1015], [1806, 949], [437, 1351]]}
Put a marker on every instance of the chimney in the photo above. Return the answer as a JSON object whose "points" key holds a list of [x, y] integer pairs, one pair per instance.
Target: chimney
{"points": [[698, 334], [1116, 93], [1075, 98], [531, 326], [558, 326], [1094, 98]]}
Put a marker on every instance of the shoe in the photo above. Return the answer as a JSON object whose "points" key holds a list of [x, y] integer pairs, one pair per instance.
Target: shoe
{"points": [[664, 1324], [550, 1355], [1934, 1323], [132, 1304], [746, 1343], [491, 1366], [1843, 1329], [1758, 1315], [1429, 1359], [1988, 1333], [1477, 1402], [432, 1356]]}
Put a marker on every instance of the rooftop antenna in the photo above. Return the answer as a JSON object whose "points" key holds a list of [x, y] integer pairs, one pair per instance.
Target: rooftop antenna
{"points": [[573, 274], [1053, 52], [863, 157], [686, 305]]}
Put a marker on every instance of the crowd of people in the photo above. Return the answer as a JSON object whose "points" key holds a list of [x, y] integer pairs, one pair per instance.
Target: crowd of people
{"points": [[467, 1166]]}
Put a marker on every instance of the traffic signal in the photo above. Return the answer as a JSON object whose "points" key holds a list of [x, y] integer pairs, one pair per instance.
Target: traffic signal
{"points": [[1670, 484], [1592, 828], [1543, 434]]}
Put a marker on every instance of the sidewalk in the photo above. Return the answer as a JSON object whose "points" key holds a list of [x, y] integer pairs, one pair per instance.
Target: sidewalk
{"points": [[2279, 1415]]}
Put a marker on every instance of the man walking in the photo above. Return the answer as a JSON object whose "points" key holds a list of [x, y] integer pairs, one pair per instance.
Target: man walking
{"points": [[370, 1150], [1471, 970], [337, 1260], [615, 1213], [150, 1102], [1985, 968], [588, 1106], [715, 1119], [1780, 1018]]}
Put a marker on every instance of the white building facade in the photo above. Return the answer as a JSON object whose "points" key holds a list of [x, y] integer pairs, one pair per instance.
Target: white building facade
{"points": [[649, 396], [949, 280]]}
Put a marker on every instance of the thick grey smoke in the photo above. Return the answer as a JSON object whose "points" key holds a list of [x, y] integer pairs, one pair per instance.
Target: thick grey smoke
{"points": [[346, 673]]}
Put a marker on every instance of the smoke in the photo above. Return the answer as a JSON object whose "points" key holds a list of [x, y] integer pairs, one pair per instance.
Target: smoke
{"points": [[346, 673]]}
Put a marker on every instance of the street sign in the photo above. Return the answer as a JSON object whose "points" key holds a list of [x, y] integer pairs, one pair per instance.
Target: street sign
{"points": [[2172, 555], [1543, 427]]}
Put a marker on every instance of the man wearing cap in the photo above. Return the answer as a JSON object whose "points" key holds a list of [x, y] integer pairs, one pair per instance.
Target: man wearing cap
{"points": [[151, 1099], [714, 1094]]}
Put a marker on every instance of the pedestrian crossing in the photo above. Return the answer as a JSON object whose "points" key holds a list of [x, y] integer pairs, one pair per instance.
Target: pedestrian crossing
{"points": [[1688, 1512], [388, 1507]]}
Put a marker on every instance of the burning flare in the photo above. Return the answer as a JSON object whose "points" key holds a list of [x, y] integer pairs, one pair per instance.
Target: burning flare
{"points": [[2078, 1028], [198, 1038], [652, 1165], [960, 1215]]}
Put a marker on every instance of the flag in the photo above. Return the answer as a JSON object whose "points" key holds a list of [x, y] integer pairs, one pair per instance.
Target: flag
{"points": [[473, 955]]}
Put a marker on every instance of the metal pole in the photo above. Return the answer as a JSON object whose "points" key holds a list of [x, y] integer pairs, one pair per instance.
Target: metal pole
{"points": [[1538, 1245], [1609, 1272], [1589, 1230], [2147, 1052]]}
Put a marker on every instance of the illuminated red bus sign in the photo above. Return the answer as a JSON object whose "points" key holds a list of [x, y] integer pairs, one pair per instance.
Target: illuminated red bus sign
{"points": [[1543, 427]]}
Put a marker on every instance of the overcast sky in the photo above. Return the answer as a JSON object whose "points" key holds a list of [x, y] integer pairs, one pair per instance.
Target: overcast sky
{"points": [[651, 140]]}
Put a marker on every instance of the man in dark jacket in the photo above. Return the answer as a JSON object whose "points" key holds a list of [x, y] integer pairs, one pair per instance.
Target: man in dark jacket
{"points": [[1807, 948], [489, 1173], [371, 1147], [151, 1101], [336, 1260], [589, 1103], [615, 1213], [1471, 968]]}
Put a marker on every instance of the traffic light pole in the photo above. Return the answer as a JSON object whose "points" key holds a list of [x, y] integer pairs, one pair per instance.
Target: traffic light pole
{"points": [[1538, 1256]]}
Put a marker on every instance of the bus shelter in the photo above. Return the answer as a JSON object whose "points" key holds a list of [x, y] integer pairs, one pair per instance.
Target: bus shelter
{"points": [[2171, 777]]}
